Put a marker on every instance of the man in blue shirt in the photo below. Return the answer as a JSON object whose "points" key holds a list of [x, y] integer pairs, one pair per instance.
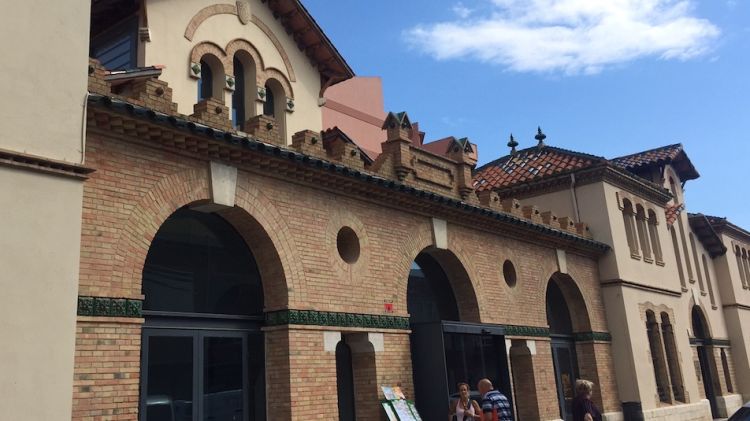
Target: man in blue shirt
{"points": [[495, 406]]}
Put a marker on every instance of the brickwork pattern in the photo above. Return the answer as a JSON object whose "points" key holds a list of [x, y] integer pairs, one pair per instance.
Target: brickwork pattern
{"points": [[107, 368], [291, 229]]}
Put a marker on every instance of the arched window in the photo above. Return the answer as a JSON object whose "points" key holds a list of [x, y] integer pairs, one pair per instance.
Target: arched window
{"points": [[269, 107], [657, 357], [628, 219], [640, 218], [654, 235], [708, 281], [673, 360], [697, 264], [202, 349], [746, 265], [676, 247], [686, 254], [211, 83], [741, 267], [673, 189], [238, 96], [243, 97], [727, 375]]}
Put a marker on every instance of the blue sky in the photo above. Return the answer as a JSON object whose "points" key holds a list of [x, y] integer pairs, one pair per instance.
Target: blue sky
{"points": [[607, 78]]}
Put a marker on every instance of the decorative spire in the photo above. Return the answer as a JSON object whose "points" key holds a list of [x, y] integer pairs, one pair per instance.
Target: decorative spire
{"points": [[512, 144], [540, 137]]}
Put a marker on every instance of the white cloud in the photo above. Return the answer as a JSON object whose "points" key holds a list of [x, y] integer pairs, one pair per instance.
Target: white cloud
{"points": [[572, 36], [462, 11]]}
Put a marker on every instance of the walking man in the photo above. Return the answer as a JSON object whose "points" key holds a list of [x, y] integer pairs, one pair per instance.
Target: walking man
{"points": [[495, 406]]}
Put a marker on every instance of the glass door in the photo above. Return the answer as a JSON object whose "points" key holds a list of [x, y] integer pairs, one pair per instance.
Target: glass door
{"points": [[196, 375], [566, 372]]}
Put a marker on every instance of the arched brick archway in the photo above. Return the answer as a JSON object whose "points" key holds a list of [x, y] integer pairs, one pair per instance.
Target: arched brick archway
{"points": [[254, 217], [575, 301]]}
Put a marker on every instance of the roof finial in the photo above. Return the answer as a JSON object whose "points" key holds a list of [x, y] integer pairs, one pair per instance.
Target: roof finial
{"points": [[540, 137], [512, 144]]}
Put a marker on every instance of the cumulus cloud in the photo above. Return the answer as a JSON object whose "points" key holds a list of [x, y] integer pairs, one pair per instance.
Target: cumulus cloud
{"points": [[570, 36]]}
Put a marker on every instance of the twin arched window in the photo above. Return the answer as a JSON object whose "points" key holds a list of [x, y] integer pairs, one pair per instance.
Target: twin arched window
{"points": [[664, 356], [641, 232]]}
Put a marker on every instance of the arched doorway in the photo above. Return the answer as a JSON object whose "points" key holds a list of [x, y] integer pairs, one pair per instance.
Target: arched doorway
{"points": [[705, 358], [448, 345], [202, 349], [563, 347], [345, 382]]}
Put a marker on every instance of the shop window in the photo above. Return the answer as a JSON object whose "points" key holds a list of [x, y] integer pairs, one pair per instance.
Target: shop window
{"points": [[657, 357], [653, 233], [640, 218], [708, 281], [628, 219], [676, 247], [697, 264], [673, 360], [727, 375]]}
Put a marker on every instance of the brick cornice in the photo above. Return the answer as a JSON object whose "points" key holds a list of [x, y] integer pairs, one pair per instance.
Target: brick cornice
{"points": [[44, 165], [136, 124]]}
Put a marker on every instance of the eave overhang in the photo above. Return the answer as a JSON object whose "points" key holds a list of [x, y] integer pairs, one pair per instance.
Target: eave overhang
{"points": [[700, 225], [120, 119]]}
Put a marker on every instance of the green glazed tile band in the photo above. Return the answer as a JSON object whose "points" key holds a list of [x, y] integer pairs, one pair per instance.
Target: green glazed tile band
{"points": [[109, 307]]}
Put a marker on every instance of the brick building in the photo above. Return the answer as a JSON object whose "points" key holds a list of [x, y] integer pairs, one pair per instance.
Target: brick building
{"points": [[251, 236]]}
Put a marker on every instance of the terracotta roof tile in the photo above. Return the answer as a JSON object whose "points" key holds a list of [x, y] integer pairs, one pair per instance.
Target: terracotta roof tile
{"points": [[531, 164], [670, 154], [671, 212]]}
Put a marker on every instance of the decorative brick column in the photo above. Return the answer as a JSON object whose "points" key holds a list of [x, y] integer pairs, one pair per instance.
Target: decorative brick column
{"points": [[595, 364], [534, 379]]}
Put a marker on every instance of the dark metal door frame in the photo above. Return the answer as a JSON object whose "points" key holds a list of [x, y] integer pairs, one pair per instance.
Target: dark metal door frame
{"points": [[563, 342], [708, 380]]}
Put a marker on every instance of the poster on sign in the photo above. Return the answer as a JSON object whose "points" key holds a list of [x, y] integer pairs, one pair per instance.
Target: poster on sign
{"points": [[402, 410], [389, 412]]}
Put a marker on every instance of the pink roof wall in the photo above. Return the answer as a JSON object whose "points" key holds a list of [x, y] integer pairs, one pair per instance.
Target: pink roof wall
{"points": [[356, 107]]}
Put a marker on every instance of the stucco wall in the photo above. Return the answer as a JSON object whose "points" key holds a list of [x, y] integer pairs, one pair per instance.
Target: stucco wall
{"points": [[169, 47], [42, 108], [40, 238]]}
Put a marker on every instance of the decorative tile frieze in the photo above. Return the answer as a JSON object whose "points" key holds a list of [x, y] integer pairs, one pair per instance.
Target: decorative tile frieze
{"points": [[593, 336], [512, 330], [109, 307], [327, 318]]}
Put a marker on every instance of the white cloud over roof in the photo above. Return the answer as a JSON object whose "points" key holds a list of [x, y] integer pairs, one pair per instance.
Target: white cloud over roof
{"points": [[569, 36]]}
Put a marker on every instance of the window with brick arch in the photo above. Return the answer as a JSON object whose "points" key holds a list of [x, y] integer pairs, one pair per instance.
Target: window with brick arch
{"points": [[673, 360], [628, 217], [653, 234], [640, 217], [211, 83], [657, 357]]}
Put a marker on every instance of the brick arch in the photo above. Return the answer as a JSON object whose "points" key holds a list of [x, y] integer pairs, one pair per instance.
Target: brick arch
{"points": [[574, 299], [452, 261], [239, 44], [268, 232], [208, 47], [147, 216], [274, 74], [205, 13]]}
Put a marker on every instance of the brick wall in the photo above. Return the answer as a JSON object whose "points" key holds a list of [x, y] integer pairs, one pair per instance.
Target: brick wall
{"points": [[107, 368], [292, 230]]}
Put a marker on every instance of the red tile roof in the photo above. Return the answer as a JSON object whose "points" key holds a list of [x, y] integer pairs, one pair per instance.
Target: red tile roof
{"points": [[529, 165], [671, 212], [670, 154]]}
